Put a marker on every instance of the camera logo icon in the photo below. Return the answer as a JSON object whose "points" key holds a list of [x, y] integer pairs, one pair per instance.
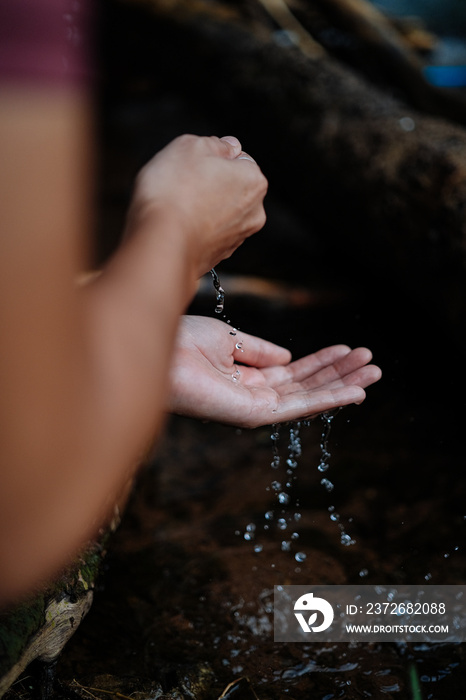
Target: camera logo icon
{"points": [[310, 604]]}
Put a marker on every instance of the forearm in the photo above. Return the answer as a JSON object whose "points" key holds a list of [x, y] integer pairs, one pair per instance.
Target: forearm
{"points": [[83, 370], [132, 312], [102, 402]]}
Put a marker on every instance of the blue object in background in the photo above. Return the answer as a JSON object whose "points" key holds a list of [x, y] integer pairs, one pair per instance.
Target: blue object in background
{"points": [[446, 76]]}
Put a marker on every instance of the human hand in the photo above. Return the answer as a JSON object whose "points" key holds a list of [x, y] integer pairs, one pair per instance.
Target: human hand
{"points": [[210, 189], [245, 381]]}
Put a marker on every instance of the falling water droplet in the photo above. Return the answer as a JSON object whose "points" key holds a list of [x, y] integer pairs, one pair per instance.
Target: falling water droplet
{"points": [[327, 484], [327, 419], [347, 539], [300, 556]]}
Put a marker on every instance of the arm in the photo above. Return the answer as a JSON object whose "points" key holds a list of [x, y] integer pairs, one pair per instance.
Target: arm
{"points": [[83, 371]]}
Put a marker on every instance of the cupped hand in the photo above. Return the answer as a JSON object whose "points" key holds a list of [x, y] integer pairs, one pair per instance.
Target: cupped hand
{"points": [[209, 188], [231, 377]]}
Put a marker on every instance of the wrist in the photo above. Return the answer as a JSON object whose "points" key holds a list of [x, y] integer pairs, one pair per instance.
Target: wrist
{"points": [[170, 229], [163, 238]]}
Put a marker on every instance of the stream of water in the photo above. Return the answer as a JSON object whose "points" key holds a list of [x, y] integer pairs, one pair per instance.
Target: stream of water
{"points": [[286, 516]]}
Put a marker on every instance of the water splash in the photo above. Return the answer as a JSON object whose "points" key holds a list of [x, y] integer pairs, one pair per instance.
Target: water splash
{"points": [[220, 293]]}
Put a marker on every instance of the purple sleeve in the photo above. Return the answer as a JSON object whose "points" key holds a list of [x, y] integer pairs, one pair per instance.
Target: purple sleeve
{"points": [[44, 41]]}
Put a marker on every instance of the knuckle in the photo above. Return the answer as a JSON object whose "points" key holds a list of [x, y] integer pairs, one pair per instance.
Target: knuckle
{"points": [[185, 141], [257, 221], [262, 218], [185, 138], [260, 181]]}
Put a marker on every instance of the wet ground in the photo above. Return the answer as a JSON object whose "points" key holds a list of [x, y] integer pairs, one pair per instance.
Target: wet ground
{"points": [[185, 605]]}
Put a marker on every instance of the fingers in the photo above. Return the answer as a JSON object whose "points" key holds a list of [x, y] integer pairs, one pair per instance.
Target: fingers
{"points": [[303, 404], [338, 384], [363, 377], [328, 365], [350, 369], [234, 149], [308, 366], [228, 147], [245, 156], [333, 367]]}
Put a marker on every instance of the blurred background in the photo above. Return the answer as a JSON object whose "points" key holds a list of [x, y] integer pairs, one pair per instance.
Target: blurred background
{"points": [[355, 112]]}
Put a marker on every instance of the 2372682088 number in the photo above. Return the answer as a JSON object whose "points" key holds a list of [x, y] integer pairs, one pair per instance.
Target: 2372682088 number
{"points": [[405, 608]]}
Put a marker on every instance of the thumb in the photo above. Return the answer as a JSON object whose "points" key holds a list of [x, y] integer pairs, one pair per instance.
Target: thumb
{"points": [[232, 147]]}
